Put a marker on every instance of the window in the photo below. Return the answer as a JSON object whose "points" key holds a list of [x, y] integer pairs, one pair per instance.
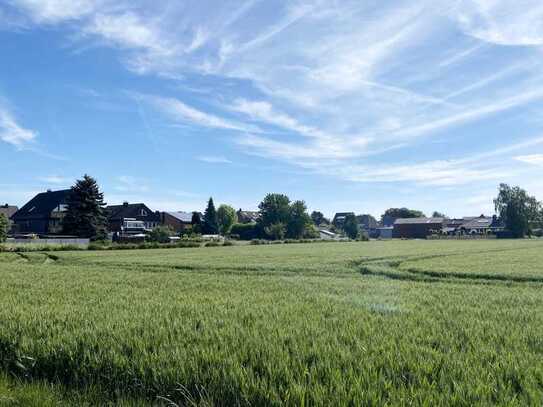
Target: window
{"points": [[143, 212]]}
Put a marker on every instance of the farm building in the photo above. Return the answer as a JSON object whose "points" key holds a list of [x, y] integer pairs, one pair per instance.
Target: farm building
{"points": [[177, 221], [482, 225], [417, 228], [43, 214], [117, 214]]}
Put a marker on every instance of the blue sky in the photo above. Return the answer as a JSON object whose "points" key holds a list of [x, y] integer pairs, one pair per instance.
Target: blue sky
{"points": [[349, 105]]}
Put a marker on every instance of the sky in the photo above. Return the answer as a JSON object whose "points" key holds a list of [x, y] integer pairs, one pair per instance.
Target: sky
{"points": [[349, 105]]}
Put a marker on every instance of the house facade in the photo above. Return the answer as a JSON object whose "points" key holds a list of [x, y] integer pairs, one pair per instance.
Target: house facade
{"points": [[42, 215], [117, 215]]}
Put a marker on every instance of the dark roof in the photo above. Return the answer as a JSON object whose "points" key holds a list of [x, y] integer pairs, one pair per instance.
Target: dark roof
{"points": [[248, 216], [42, 204], [418, 221], [8, 211], [480, 222], [128, 210], [185, 217]]}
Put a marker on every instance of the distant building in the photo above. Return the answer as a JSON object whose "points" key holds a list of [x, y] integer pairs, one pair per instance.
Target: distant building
{"points": [[118, 214], [42, 215], [388, 221], [482, 225], [248, 216], [417, 228], [367, 222], [8, 211], [177, 221], [384, 232], [339, 219]]}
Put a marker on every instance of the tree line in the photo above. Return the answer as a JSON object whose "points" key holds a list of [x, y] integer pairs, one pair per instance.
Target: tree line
{"points": [[279, 218]]}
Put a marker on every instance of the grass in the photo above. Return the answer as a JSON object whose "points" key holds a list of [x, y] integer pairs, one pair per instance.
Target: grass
{"points": [[376, 323]]}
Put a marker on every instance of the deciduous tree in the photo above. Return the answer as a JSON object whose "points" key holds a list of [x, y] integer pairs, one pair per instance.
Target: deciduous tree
{"points": [[226, 216], [519, 211]]}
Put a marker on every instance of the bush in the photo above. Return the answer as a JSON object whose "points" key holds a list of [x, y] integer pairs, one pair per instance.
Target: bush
{"points": [[213, 244], [228, 243], [259, 242], [161, 234], [245, 231]]}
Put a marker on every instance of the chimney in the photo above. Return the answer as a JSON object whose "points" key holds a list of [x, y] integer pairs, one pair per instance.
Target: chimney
{"points": [[49, 191], [125, 203]]}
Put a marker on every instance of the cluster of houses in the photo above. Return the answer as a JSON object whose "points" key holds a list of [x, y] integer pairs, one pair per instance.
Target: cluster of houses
{"points": [[422, 228], [43, 216]]}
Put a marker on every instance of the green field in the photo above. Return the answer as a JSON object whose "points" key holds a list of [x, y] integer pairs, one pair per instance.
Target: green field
{"points": [[369, 323]]}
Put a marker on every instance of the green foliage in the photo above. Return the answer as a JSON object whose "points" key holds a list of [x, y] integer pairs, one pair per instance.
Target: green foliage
{"points": [[161, 234], [274, 209], [519, 211], [378, 323], [350, 226], [210, 224], [319, 219], [4, 228], [401, 213], [245, 231], [299, 220], [437, 214], [226, 216], [85, 216], [276, 231]]}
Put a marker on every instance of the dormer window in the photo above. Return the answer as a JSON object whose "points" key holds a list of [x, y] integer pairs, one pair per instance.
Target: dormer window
{"points": [[143, 212]]}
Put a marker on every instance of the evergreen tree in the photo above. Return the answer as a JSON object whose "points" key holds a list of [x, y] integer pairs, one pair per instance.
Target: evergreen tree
{"points": [[85, 216], [211, 222], [196, 222], [4, 228]]}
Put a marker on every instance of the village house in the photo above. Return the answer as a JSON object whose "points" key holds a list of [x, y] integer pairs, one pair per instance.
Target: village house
{"points": [[42, 215], [247, 216], [117, 215]]}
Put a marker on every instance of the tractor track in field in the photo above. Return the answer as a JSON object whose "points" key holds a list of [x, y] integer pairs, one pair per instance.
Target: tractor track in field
{"points": [[391, 267]]}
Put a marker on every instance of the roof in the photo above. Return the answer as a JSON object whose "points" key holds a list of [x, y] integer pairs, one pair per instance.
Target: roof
{"points": [[42, 204], [8, 210], [481, 222], [248, 216], [127, 210], [185, 217], [418, 221]]}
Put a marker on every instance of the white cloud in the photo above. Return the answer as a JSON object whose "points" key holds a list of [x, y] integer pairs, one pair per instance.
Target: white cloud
{"points": [[182, 112], [128, 183], [56, 180], [54, 11], [534, 159], [210, 159], [504, 22], [11, 132]]}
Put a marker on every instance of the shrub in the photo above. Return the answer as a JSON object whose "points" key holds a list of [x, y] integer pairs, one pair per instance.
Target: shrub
{"points": [[213, 244], [245, 231], [228, 243]]}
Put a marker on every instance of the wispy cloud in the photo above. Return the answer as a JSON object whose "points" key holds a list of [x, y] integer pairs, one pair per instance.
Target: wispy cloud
{"points": [[534, 159], [56, 180], [13, 133], [181, 112], [127, 183], [211, 159]]}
